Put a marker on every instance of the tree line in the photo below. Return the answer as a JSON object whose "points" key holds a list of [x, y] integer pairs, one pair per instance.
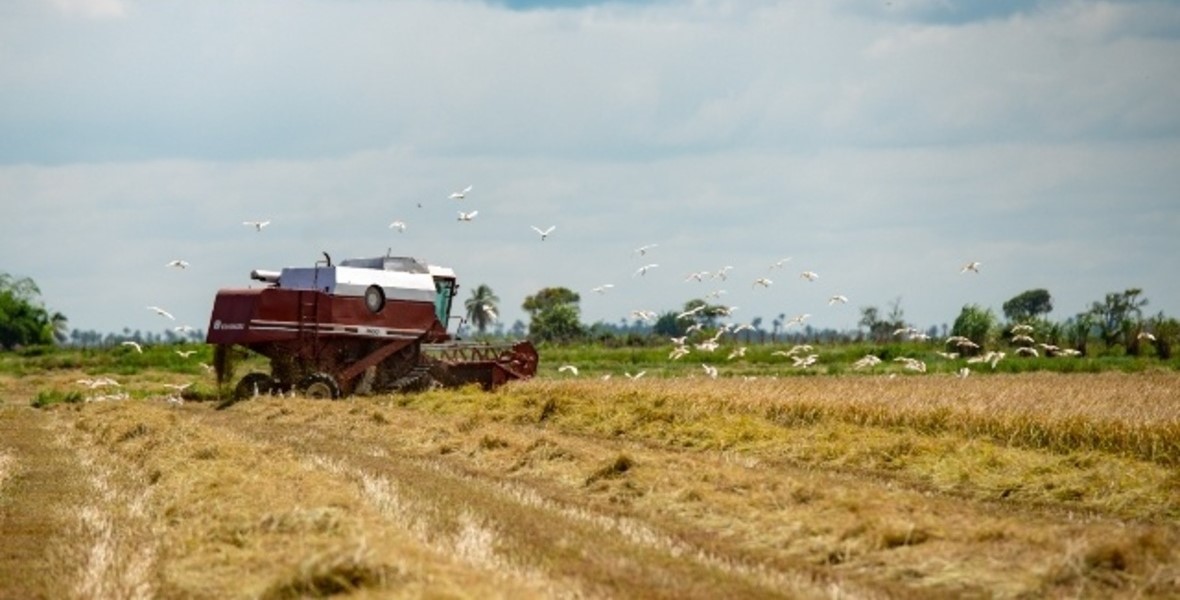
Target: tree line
{"points": [[1118, 323]]}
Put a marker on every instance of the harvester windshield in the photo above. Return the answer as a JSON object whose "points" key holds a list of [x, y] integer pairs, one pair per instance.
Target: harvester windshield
{"points": [[442, 301]]}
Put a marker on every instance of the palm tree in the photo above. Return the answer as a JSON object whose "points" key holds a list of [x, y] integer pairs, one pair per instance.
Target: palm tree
{"points": [[481, 307], [61, 327]]}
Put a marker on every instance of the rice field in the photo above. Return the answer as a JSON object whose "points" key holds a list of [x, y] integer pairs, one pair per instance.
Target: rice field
{"points": [[1013, 485]]}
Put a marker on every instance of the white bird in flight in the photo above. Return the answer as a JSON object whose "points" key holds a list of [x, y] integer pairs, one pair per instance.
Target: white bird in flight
{"points": [[161, 312], [762, 281], [643, 249], [135, 345], [398, 225], [257, 225], [972, 266], [838, 298], [780, 262], [543, 233], [644, 269], [185, 353], [179, 264], [603, 288], [644, 315], [568, 368], [461, 194], [467, 216], [809, 275]]}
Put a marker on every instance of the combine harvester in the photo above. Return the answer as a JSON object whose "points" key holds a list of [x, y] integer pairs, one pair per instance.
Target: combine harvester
{"points": [[367, 325]]}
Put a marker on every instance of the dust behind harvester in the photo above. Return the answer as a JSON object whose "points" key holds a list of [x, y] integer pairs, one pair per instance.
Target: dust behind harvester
{"points": [[364, 325]]}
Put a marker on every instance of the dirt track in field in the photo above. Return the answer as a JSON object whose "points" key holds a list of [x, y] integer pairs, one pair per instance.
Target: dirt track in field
{"points": [[281, 498]]}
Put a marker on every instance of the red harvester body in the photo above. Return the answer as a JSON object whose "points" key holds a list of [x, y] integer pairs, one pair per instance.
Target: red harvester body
{"points": [[365, 325]]}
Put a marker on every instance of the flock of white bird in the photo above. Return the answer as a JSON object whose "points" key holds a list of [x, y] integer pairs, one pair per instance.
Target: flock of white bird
{"points": [[175, 390], [802, 356]]}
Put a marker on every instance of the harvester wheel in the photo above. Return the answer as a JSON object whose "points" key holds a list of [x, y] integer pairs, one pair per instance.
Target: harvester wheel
{"points": [[320, 385], [254, 384]]}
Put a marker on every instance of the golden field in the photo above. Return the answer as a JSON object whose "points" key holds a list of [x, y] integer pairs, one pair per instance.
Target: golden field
{"points": [[999, 486]]}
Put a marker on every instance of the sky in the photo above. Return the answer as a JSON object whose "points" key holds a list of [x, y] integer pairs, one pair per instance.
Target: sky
{"points": [[882, 145]]}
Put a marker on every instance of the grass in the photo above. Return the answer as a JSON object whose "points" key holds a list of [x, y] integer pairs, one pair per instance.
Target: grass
{"points": [[861, 484], [1107, 442]]}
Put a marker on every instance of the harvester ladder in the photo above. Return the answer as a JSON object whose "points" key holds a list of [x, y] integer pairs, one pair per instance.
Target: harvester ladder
{"points": [[309, 318]]}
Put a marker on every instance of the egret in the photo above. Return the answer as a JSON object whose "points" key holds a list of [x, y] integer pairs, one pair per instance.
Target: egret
{"points": [[838, 299], [644, 269], [635, 376], [179, 387], [644, 315], [135, 345], [678, 352], [162, 312], [568, 369], [710, 370], [796, 349], [972, 266], [185, 353], [780, 262], [400, 226], [739, 352], [707, 346], [690, 312], [461, 194], [723, 272], [1146, 335], [809, 275], [467, 216], [543, 233], [179, 264], [762, 281], [603, 288], [643, 249], [804, 362], [867, 361], [797, 319], [257, 225]]}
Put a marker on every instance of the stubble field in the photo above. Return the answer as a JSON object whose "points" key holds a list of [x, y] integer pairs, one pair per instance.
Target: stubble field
{"points": [[1007, 485]]}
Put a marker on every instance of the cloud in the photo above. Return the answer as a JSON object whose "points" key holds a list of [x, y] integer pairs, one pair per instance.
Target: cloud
{"points": [[882, 152], [91, 9]]}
